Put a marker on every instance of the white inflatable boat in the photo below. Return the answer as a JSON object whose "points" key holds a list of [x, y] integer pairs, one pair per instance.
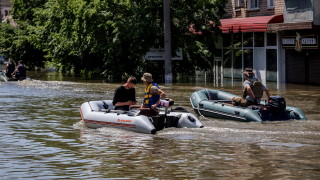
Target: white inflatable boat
{"points": [[97, 114]]}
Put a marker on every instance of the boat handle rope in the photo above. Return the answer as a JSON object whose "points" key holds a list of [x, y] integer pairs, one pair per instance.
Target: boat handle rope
{"points": [[195, 107], [199, 108]]}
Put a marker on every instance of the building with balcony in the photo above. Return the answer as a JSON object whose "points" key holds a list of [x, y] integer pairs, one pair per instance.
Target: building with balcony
{"points": [[278, 38], [299, 41]]}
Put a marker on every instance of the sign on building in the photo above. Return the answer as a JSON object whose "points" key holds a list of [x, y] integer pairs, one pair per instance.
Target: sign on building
{"points": [[158, 54], [307, 42]]}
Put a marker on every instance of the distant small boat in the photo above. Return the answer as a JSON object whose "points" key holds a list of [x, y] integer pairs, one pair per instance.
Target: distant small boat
{"points": [[97, 114], [218, 104], [3, 77]]}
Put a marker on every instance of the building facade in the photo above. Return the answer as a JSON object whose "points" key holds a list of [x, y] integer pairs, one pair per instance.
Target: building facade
{"points": [[300, 41], [5, 6], [258, 33]]}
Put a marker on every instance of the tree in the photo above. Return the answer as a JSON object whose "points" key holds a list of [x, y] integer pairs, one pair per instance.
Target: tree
{"points": [[24, 10], [110, 37], [16, 43]]}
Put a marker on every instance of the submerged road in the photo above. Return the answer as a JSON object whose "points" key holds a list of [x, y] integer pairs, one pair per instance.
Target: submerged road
{"points": [[42, 137]]}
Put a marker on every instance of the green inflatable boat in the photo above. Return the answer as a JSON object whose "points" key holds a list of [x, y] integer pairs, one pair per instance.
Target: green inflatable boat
{"points": [[218, 104]]}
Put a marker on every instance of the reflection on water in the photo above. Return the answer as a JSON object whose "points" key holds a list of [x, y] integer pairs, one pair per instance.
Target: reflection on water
{"points": [[42, 137]]}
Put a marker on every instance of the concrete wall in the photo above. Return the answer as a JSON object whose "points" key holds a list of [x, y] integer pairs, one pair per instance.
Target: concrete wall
{"points": [[5, 7], [316, 12], [298, 11]]}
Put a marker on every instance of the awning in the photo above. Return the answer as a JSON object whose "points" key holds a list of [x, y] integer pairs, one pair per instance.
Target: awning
{"points": [[249, 24]]}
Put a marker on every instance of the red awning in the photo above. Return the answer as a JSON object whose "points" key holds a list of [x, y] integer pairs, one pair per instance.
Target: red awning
{"points": [[249, 24]]}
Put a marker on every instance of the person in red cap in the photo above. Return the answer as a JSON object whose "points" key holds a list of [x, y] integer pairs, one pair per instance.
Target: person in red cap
{"points": [[253, 90]]}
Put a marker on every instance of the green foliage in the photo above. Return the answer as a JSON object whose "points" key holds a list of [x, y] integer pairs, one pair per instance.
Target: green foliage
{"points": [[15, 42], [110, 37], [24, 10]]}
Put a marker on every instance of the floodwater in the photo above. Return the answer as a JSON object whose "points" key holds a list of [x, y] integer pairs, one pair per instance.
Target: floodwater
{"points": [[42, 137]]}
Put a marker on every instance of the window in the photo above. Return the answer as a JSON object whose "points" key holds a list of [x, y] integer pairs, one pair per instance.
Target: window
{"points": [[259, 39], [247, 39], [239, 3], [237, 40], [248, 58], [226, 38], [270, 4], [271, 39], [271, 65], [253, 4]]}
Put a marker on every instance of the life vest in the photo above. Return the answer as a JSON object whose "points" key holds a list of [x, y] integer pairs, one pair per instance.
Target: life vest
{"points": [[150, 99], [256, 87]]}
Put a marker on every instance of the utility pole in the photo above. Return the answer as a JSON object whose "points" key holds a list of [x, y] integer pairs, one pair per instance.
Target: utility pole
{"points": [[167, 43], [1, 10]]}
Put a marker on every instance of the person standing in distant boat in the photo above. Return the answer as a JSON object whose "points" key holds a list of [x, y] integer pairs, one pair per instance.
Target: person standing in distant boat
{"points": [[125, 95], [253, 90], [10, 67]]}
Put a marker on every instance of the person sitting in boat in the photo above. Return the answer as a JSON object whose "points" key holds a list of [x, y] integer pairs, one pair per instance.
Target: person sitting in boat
{"points": [[125, 95], [152, 96], [20, 72], [253, 90], [10, 67]]}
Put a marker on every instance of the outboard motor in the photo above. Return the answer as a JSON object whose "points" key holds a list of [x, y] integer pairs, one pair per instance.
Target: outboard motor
{"points": [[161, 121], [276, 104]]}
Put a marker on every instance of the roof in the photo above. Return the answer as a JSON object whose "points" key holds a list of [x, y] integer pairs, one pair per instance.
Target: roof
{"points": [[249, 24]]}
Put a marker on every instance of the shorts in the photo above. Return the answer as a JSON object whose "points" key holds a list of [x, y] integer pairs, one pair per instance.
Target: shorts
{"points": [[239, 101]]}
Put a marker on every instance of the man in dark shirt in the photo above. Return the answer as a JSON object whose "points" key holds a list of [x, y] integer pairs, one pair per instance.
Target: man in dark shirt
{"points": [[125, 95], [10, 68], [20, 72]]}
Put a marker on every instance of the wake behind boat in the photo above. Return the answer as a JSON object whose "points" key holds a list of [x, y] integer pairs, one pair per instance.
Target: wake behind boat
{"points": [[97, 114], [218, 104]]}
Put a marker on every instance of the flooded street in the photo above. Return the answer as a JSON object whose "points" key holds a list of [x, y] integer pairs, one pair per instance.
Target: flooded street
{"points": [[42, 137]]}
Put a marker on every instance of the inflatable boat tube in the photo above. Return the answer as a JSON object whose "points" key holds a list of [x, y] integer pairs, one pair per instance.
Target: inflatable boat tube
{"points": [[97, 114], [218, 104]]}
